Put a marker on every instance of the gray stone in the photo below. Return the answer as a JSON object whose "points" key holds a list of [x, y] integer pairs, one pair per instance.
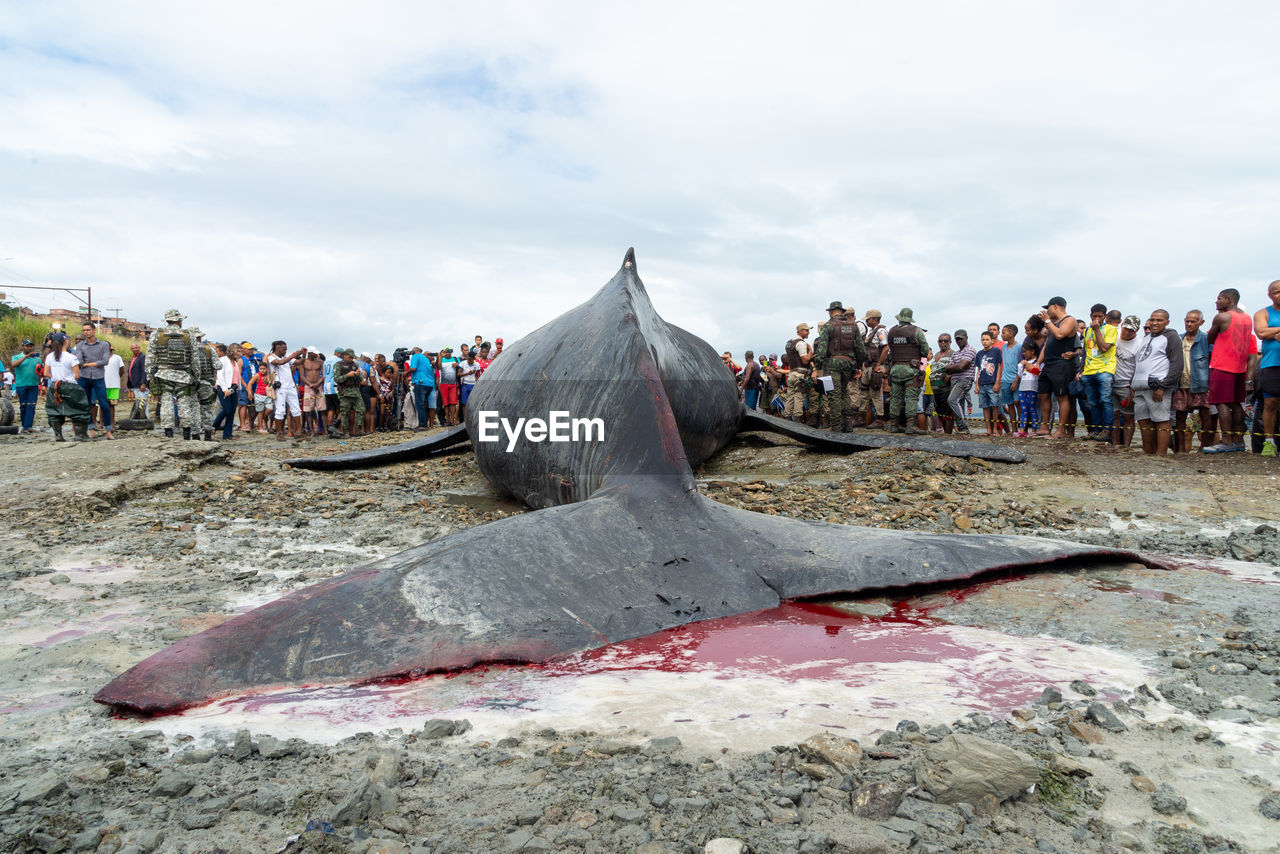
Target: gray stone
{"points": [[1166, 801], [963, 768], [629, 816], [939, 817], [1083, 688], [173, 784], [666, 744], [45, 786], [523, 840], [877, 801], [725, 845], [1049, 695], [1105, 718], [1187, 698], [148, 840], [842, 754], [1270, 805], [438, 728], [86, 840], [848, 840], [200, 821], [243, 748], [1235, 716], [573, 836], [274, 748]]}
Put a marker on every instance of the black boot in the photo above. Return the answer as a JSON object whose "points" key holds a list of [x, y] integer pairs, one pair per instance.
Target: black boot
{"points": [[208, 435], [168, 432], [895, 427], [81, 430], [848, 425], [56, 424], [186, 432]]}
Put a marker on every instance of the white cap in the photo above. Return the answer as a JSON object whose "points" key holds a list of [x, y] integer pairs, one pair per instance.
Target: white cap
{"points": [[314, 350], [365, 356]]}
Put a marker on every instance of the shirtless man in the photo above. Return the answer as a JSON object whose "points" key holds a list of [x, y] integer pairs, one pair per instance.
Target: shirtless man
{"points": [[311, 373]]}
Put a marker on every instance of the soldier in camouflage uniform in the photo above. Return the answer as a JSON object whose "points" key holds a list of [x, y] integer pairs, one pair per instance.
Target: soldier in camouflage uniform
{"points": [[907, 346], [172, 373], [347, 377], [839, 352], [205, 395]]}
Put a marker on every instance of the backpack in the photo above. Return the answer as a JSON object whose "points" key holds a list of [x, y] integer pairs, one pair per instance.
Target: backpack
{"points": [[790, 355]]}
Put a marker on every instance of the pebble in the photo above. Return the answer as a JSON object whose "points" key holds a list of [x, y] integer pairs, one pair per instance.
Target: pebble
{"points": [[1166, 801]]}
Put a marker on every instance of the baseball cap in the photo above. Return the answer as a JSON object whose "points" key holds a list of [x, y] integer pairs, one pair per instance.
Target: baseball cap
{"points": [[26, 342], [874, 312], [498, 340], [246, 345], [1132, 322], [1059, 301], [800, 326]]}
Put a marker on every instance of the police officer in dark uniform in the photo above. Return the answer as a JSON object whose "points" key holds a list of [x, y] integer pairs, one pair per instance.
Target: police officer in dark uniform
{"points": [[840, 352], [907, 346]]}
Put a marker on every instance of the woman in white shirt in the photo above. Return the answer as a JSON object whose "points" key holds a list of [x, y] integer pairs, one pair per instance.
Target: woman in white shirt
{"points": [[65, 398]]}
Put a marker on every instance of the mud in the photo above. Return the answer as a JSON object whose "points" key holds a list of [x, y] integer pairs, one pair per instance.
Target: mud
{"points": [[115, 549]]}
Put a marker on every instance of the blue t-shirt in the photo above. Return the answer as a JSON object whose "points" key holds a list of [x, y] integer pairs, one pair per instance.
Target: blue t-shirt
{"points": [[985, 363], [423, 372], [249, 364], [25, 374], [330, 387], [1270, 348], [1012, 354]]}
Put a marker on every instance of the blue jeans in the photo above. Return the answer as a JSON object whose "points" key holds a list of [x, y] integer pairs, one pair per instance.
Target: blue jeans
{"points": [[751, 397], [227, 417], [27, 397], [96, 391], [421, 393], [1097, 391]]}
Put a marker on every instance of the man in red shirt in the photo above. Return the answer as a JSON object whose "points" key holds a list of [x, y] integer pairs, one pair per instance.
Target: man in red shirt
{"points": [[1231, 337]]}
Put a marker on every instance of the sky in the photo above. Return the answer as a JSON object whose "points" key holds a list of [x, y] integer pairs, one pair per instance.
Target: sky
{"points": [[382, 174]]}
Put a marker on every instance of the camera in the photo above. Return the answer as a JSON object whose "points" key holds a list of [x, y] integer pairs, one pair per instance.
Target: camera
{"points": [[276, 385]]}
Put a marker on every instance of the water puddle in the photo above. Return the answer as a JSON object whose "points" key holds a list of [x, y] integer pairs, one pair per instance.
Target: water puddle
{"points": [[744, 682]]}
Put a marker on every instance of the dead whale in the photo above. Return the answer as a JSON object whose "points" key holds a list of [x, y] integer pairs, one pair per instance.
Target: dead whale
{"points": [[623, 544]]}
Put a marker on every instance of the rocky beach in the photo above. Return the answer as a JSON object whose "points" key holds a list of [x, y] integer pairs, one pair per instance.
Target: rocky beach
{"points": [[1103, 706]]}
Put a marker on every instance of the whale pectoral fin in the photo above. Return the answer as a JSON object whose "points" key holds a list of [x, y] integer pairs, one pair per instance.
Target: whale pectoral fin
{"points": [[800, 559], [415, 449], [829, 441]]}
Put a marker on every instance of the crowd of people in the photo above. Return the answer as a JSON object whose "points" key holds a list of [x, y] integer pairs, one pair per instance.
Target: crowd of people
{"points": [[1109, 375], [181, 379]]}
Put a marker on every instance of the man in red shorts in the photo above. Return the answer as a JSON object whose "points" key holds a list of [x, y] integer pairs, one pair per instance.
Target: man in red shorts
{"points": [[1231, 337]]}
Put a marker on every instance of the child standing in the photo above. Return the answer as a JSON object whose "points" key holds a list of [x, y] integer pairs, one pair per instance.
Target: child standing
{"points": [[988, 366], [1027, 385]]}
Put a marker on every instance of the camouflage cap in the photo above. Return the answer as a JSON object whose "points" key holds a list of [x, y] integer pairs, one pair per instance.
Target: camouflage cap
{"points": [[836, 305], [195, 331], [349, 352], [905, 316], [173, 314]]}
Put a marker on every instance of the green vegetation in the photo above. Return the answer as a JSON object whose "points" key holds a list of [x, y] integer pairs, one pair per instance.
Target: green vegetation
{"points": [[14, 328]]}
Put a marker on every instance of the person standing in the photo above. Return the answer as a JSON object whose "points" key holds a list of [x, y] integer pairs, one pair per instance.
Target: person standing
{"points": [[349, 378], [468, 373], [1231, 337], [172, 372], [281, 366], [1099, 373], [424, 387], [1266, 325], [94, 354], [65, 397], [796, 358], [868, 397], [227, 383], [750, 382], [1155, 375], [448, 386], [905, 347], [840, 351], [113, 376], [988, 366], [26, 384], [137, 380], [1010, 357], [1057, 365], [1127, 344], [1192, 392], [960, 373], [205, 393], [939, 385]]}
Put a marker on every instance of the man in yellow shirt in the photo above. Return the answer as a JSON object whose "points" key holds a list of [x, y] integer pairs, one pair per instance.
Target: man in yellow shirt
{"points": [[1099, 373]]}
